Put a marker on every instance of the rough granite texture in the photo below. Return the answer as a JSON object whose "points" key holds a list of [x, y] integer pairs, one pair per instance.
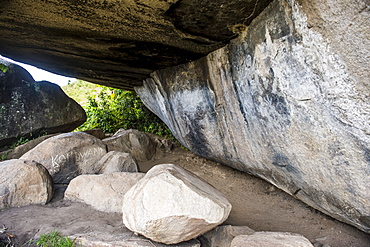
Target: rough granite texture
{"points": [[24, 182], [104, 192], [68, 155], [283, 102], [29, 108], [171, 205]]}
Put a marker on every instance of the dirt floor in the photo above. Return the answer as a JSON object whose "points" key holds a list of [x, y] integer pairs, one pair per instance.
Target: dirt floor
{"points": [[256, 204]]}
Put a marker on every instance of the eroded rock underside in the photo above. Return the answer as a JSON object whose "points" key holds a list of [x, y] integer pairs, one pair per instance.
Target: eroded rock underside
{"points": [[118, 43], [287, 100]]}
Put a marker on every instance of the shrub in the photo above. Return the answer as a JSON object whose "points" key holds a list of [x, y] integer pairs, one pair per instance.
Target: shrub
{"points": [[113, 109], [4, 68]]}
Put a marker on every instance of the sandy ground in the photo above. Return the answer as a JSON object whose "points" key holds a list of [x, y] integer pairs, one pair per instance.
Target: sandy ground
{"points": [[256, 204]]}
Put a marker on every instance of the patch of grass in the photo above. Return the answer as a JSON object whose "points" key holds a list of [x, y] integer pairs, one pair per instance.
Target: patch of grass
{"points": [[19, 142], [2, 158], [55, 239]]}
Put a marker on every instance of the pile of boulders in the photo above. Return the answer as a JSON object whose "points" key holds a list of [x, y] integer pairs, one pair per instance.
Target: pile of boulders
{"points": [[167, 205], [60, 158]]}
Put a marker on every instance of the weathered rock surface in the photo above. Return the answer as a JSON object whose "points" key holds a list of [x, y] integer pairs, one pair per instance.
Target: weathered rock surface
{"points": [[29, 108], [170, 205], [282, 103], [68, 155], [222, 236], [115, 161], [118, 43], [276, 239], [98, 133], [137, 143], [97, 239], [103, 192], [24, 182]]}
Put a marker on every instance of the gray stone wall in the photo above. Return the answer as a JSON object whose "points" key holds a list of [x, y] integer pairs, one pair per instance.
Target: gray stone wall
{"points": [[286, 101]]}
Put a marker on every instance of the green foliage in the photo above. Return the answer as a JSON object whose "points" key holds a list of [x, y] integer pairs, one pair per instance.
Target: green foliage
{"points": [[80, 91], [19, 142], [4, 68], [55, 239], [2, 109], [2, 157], [113, 109]]}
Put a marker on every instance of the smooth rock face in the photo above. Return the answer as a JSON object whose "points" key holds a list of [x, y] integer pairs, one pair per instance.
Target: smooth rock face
{"points": [[137, 143], [68, 155], [29, 108], [276, 239], [222, 236], [24, 182], [170, 205], [115, 161], [281, 103], [118, 43], [103, 192]]}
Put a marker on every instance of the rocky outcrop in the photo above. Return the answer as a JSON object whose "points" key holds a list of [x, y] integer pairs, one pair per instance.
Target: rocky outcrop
{"points": [[118, 43], [277, 239], [68, 155], [283, 102], [24, 183], [286, 101], [103, 192], [171, 205], [29, 108]]}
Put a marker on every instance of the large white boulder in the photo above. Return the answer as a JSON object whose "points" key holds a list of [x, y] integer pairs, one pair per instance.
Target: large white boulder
{"points": [[170, 205], [68, 155], [103, 192], [24, 182]]}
